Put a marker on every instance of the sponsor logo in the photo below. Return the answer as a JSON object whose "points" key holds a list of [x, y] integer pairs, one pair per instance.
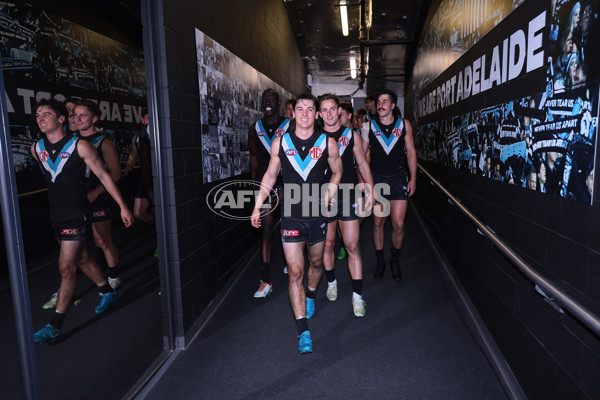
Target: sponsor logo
{"points": [[289, 232], [397, 132], [235, 199], [291, 152], [64, 154], [70, 232], [44, 156], [101, 213], [344, 141], [315, 153], [279, 132]]}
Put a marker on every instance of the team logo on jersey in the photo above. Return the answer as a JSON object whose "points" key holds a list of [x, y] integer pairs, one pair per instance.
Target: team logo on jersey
{"points": [[289, 233], [64, 154], [261, 133], [279, 132], [343, 141], [315, 153], [397, 132], [291, 152], [377, 133], [70, 232], [43, 155]]}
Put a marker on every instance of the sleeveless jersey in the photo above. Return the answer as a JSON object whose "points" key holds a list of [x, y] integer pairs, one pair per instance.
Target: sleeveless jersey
{"points": [[388, 152], [263, 137], [304, 162], [95, 140], [345, 140], [64, 171]]}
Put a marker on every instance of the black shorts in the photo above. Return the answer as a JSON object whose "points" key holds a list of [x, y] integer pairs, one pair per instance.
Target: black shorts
{"points": [[72, 229], [100, 209], [299, 231], [345, 206], [391, 187]]}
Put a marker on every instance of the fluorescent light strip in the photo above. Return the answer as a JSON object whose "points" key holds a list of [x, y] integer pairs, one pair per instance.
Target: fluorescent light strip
{"points": [[344, 16]]}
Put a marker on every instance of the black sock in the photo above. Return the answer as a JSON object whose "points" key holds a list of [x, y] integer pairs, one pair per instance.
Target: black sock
{"points": [[311, 295], [330, 275], [266, 272], [113, 272], [395, 254], [301, 325], [357, 286], [57, 320], [379, 254], [104, 289]]}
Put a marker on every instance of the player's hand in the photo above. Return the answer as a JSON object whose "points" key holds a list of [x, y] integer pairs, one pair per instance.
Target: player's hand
{"points": [[411, 187], [127, 217], [255, 218]]}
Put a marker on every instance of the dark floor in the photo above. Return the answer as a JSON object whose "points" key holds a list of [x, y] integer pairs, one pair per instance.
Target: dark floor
{"points": [[412, 344], [98, 356]]}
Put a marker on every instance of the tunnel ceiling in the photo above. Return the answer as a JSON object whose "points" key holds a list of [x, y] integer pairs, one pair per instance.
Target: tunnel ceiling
{"points": [[383, 33]]}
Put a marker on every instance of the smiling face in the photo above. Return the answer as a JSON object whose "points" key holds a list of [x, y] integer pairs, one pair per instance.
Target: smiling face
{"points": [[305, 113], [330, 112], [48, 121], [84, 119], [270, 103]]}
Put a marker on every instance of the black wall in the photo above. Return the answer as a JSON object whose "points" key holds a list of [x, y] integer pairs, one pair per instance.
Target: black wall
{"points": [[207, 248]]}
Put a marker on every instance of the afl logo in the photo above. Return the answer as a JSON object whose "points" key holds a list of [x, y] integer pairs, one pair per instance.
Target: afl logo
{"points": [[397, 132], [344, 141], [64, 154], [291, 152], [315, 153], [279, 132], [261, 133], [377, 133], [43, 155]]}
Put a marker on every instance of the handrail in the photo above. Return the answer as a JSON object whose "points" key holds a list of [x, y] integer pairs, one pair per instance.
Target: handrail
{"points": [[573, 306]]}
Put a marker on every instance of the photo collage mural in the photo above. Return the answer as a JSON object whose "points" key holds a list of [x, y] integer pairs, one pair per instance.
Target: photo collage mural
{"points": [[45, 56], [230, 101], [520, 103]]}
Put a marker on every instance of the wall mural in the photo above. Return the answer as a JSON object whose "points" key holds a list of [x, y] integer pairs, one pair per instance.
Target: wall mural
{"points": [[45, 56], [230, 101], [521, 105]]}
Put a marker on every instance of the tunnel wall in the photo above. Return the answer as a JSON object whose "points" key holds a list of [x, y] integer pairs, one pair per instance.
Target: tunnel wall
{"points": [[551, 353], [207, 248]]}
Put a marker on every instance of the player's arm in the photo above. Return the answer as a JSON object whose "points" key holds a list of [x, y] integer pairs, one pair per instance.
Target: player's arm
{"points": [[361, 162], [364, 134], [252, 150], [133, 157], [89, 154], [268, 180], [335, 166], [111, 160], [411, 156]]}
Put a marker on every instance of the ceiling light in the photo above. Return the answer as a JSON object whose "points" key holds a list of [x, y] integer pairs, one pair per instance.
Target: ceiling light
{"points": [[353, 64], [344, 16]]}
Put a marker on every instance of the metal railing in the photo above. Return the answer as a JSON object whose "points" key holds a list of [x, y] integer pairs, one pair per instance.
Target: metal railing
{"points": [[549, 289]]}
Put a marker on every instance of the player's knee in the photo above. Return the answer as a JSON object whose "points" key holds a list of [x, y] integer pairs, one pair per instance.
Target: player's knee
{"points": [[329, 245], [351, 248], [68, 270], [398, 226]]}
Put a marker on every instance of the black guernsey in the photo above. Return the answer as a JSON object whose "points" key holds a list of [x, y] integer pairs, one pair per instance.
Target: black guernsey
{"points": [[303, 163], [64, 171], [96, 140], [263, 136], [345, 140], [388, 150]]}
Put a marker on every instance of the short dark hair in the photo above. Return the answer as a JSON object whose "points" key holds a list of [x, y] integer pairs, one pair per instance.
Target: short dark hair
{"points": [[328, 96], [370, 98], [73, 100], [361, 111], [273, 91], [306, 96], [90, 105], [392, 95], [292, 102], [57, 106], [347, 106]]}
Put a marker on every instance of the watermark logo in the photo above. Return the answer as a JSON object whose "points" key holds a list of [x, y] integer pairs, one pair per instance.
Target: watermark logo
{"points": [[235, 199]]}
